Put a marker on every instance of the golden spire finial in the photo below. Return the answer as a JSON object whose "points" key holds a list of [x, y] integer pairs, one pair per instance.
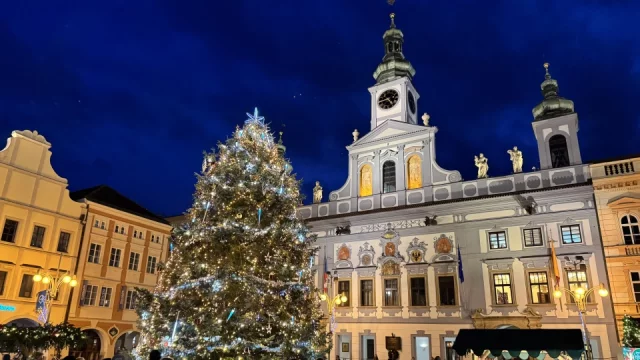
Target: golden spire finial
{"points": [[280, 140], [392, 16], [546, 67]]}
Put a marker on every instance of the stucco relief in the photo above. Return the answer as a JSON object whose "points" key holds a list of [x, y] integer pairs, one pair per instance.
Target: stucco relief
{"points": [[390, 243], [366, 255], [343, 256], [416, 251], [443, 244]]}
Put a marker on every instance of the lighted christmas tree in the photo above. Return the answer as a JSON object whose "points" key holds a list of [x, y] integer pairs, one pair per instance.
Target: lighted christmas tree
{"points": [[238, 282], [631, 332]]}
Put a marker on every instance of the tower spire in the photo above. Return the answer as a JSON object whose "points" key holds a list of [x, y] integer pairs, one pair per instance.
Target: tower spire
{"points": [[552, 105], [393, 65]]}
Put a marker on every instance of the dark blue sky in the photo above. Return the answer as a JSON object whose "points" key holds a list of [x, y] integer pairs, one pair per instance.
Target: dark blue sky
{"points": [[131, 92]]}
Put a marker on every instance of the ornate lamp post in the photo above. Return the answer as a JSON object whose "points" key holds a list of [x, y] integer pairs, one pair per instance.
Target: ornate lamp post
{"points": [[53, 285], [331, 305], [580, 296]]}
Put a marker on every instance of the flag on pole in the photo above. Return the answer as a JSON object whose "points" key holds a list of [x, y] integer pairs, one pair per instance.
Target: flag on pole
{"points": [[460, 271], [554, 263], [325, 278]]}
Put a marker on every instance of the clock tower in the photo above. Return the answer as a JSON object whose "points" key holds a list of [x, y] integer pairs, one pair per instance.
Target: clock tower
{"points": [[393, 97]]}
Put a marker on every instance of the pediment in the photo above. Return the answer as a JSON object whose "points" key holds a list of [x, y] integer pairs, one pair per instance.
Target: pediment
{"points": [[625, 200], [390, 129]]}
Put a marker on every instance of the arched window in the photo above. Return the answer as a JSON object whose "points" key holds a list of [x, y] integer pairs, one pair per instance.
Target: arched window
{"points": [[389, 177], [366, 180], [559, 151], [630, 230], [414, 172]]}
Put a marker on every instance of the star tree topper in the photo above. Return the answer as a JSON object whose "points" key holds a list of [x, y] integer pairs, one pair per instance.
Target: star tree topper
{"points": [[255, 118]]}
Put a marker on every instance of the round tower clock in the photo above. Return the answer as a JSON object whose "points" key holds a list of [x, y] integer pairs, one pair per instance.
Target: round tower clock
{"points": [[388, 99]]}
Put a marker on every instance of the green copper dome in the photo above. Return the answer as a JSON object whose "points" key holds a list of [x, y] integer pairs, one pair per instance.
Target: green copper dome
{"points": [[393, 65], [553, 105]]}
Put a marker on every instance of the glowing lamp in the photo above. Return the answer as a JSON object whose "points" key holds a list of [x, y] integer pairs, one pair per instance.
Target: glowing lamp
{"points": [[73, 282], [343, 299], [46, 280], [557, 293], [580, 291], [66, 279], [323, 297], [602, 291], [37, 277], [338, 301]]}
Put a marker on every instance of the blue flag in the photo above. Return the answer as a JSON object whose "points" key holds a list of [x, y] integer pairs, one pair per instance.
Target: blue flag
{"points": [[460, 271]]}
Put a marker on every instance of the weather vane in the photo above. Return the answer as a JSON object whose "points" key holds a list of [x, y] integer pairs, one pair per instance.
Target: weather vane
{"points": [[391, 2]]}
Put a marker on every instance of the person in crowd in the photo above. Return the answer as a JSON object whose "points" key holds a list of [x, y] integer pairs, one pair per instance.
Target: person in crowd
{"points": [[155, 355]]}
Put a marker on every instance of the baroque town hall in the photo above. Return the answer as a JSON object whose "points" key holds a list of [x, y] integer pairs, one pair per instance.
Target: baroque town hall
{"points": [[390, 235]]}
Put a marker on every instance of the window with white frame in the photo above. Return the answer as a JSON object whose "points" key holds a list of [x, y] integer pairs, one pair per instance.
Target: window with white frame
{"points": [[114, 259], [105, 297], [366, 292], [134, 261], [532, 237], [635, 285], [94, 253], [151, 264], [497, 240], [502, 289], [90, 294], [391, 293], [117, 229], [122, 230], [344, 288], [96, 223], [571, 234], [576, 279], [135, 233], [130, 300], [630, 230], [539, 287], [102, 225]]}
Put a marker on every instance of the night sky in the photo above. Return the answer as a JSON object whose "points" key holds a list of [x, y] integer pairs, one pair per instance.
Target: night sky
{"points": [[130, 93]]}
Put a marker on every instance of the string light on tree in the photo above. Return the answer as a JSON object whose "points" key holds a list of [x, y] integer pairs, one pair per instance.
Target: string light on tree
{"points": [[238, 277]]}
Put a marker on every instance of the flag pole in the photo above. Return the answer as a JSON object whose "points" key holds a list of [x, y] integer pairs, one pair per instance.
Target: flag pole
{"points": [[554, 263]]}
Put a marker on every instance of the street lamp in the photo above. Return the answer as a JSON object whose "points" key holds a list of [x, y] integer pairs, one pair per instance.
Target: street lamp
{"points": [[331, 305], [54, 283], [580, 296]]}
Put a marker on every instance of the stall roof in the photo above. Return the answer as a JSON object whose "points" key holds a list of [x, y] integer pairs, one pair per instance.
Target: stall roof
{"points": [[553, 341]]}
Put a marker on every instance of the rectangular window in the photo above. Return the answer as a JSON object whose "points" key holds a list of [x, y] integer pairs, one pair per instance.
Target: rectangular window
{"points": [[497, 240], [153, 238], [532, 237], [571, 234], [94, 253], [96, 224], [418, 292], [3, 280], [151, 264], [391, 292], [343, 288], [105, 297], [102, 225], [9, 231], [447, 290], [134, 260], [576, 279], [90, 294], [117, 229], [635, 283], [63, 242], [502, 289], [114, 259], [37, 238], [539, 287], [135, 233], [26, 287], [130, 300], [366, 293]]}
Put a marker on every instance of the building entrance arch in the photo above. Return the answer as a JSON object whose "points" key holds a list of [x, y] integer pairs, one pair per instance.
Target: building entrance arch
{"points": [[90, 350], [23, 322], [127, 341]]}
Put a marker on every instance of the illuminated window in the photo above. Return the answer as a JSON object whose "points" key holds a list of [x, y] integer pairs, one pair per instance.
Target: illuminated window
{"points": [[391, 297], [366, 293], [571, 234], [532, 237], [343, 289], [576, 279], [539, 287], [502, 289], [497, 240]]}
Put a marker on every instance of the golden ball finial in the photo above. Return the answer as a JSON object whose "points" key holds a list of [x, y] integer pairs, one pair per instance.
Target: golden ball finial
{"points": [[546, 65]]}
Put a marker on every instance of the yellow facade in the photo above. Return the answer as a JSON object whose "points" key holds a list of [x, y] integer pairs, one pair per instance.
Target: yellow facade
{"points": [[617, 193], [35, 209], [113, 320]]}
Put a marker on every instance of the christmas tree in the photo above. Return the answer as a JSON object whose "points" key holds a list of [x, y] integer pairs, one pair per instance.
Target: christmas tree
{"points": [[631, 332], [238, 283]]}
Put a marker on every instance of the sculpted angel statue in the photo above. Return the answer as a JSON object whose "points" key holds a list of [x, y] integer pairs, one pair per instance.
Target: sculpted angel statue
{"points": [[317, 193], [482, 163], [515, 156]]}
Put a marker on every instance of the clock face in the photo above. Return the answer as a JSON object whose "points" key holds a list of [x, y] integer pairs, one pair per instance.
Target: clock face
{"points": [[388, 99], [412, 103]]}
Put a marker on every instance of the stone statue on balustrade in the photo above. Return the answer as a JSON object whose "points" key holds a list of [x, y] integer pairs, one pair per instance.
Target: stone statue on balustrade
{"points": [[482, 163], [317, 193], [515, 156]]}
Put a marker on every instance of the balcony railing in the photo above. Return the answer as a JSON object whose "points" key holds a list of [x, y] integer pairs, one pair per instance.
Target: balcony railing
{"points": [[620, 168]]}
